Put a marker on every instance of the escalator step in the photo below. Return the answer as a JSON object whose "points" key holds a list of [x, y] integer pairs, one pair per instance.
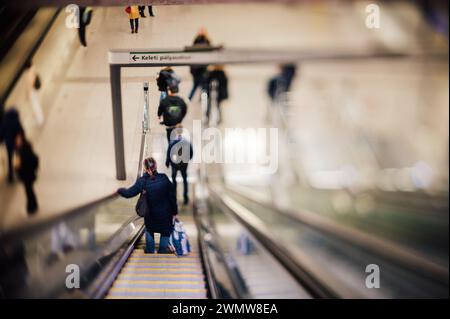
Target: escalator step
{"points": [[159, 276]]}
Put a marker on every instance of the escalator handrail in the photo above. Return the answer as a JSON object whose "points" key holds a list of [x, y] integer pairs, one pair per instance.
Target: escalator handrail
{"points": [[309, 282], [32, 228]]}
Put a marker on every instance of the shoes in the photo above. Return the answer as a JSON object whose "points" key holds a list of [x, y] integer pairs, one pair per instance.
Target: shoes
{"points": [[132, 31]]}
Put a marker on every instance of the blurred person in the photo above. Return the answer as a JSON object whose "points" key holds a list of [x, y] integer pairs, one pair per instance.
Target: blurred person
{"points": [[162, 204], [85, 20], [34, 85], [282, 82], [179, 153], [142, 11], [133, 16], [216, 80], [26, 166], [173, 109], [166, 78], [10, 128], [198, 71]]}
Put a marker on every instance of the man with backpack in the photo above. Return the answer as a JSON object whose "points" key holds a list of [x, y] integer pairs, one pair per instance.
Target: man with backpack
{"points": [[166, 78], [173, 109], [179, 153]]}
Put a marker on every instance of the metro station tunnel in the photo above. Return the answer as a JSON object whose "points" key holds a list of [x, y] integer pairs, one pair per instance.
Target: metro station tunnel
{"points": [[224, 149]]}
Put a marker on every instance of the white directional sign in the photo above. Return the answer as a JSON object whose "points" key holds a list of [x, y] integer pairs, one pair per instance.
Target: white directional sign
{"points": [[226, 56], [148, 57]]}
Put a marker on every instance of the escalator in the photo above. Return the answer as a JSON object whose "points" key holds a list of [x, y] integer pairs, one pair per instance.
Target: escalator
{"points": [[242, 247], [96, 251], [161, 276]]}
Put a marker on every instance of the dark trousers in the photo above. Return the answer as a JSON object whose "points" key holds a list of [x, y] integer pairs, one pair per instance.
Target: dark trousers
{"points": [[168, 132], [150, 242], [197, 83], [183, 171], [134, 24], [32, 204], [10, 151], [142, 9]]}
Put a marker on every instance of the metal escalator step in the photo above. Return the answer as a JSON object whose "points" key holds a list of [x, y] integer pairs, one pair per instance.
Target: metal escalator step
{"points": [[164, 262], [153, 277], [159, 265], [162, 294], [162, 275], [162, 256], [157, 270], [164, 290], [159, 284]]}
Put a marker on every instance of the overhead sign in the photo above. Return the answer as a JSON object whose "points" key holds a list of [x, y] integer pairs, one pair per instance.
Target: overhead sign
{"points": [[227, 56], [145, 57]]}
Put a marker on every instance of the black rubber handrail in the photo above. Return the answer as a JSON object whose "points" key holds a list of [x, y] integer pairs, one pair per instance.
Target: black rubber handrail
{"points": [[30, 229], [304, 278]]}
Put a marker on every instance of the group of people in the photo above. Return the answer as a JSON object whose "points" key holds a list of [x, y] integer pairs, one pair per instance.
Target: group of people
{"points": [[160, 192], [209, 78], [136, 12], [22, 160]]}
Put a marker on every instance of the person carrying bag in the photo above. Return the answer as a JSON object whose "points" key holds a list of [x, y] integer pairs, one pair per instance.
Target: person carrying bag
{"points": [[161, 202]]}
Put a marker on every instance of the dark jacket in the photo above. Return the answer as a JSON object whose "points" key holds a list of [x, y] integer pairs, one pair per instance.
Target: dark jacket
{"points": [[197, 71], [282, 82], [161, 199], [220, 77], [29, 163], [166, 79], [173, 109], [10, 127], [201, 40], [179, 158]]}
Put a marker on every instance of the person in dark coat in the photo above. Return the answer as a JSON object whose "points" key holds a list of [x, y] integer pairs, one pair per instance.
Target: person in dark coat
{"points": [[167, 78], [172, 109], [216, 80], [179, 153], [10, 128], [198, 71], [281, 83], [162, 204], [28, 163]]}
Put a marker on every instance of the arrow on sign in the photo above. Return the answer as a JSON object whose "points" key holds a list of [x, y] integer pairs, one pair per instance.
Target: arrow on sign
{"points": [[135, 58]]}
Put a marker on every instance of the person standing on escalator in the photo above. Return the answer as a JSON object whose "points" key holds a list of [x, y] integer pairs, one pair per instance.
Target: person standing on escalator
{"points": [[162, 204], [172, 109], [27, 164], [198, 71], [179, 153], [167, 77]]}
